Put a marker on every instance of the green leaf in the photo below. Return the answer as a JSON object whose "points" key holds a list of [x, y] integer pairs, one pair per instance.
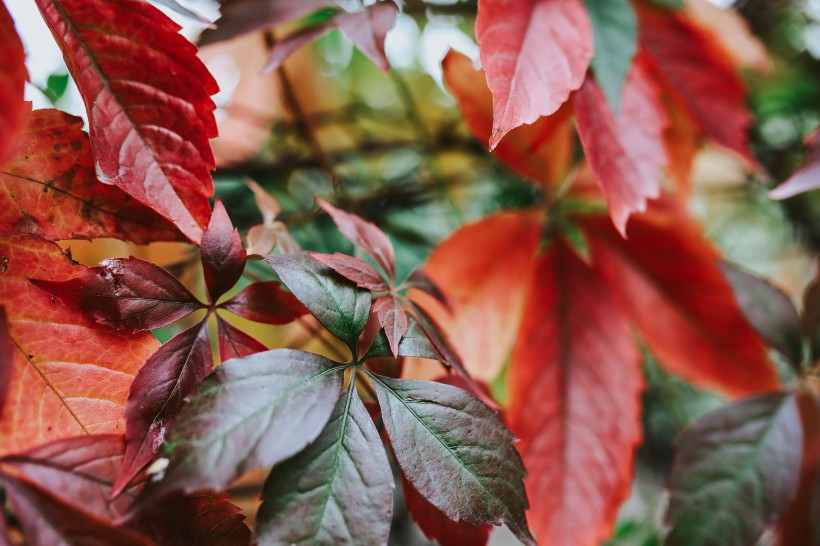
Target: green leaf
{"points": [[456, 452], [615, 34], [337, 303], [736, 473], [56, 84], [414, 344], [251, 412], [337, 491]]}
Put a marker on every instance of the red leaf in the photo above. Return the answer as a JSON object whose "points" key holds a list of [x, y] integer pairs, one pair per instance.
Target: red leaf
{"points": [[574, 383], [364, 235], [266, 302], [807, 177], [158, 394], [80, 383], [535, 53], [13, 76], [487, 292], [419, 280], [234, 343], [7, 350], [393, 319], [354, 269], [50, 173], [368, 28], [668, 278], [48, 522], [698, 74], [148, 101], [437, 526], [540, 152], [223, 258], [126, 293], [626, 151]]}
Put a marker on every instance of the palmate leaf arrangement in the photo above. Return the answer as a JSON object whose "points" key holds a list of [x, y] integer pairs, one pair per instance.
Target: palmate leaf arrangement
{"points": [[109, 437]]}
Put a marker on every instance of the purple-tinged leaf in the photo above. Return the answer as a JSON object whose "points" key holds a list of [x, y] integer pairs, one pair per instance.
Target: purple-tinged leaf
{"points": [[807, 177], [6, 355], [419, 280], [234, 343], [337, 491], [368, 28], [158, 393], [267, 303], [286, 47], [223, 258], [393, 319], [340, 306], [456, 452], [364, 235], [251, 412], [126, 293], [415, 343], [736, 473], [769, 310], [354, 269]]}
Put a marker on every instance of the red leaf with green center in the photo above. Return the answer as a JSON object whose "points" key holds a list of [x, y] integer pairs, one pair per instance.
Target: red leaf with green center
{"points": [[266, 302], [393, 319], [126, 293], [223, 258], [159, 393], [81, 383], [535, 53], [148, 101], [50, 173], [13, 76], [574, 382], [626, 150]]}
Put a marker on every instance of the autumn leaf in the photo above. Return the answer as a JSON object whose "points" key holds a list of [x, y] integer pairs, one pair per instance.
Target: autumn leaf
{"points": [[626, 151], [540, 152], [223, 258], [50, 173], [393, 319], [148, 101], [234, 343], [807, 177], [354, 269], [574, 384], [82, 382], [7, 350], [535, 53], [13, 76], [265, 302]]}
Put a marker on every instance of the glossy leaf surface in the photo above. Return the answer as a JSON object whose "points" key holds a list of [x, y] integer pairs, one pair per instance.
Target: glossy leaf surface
{"points": [[223, 258], [265, 302]]}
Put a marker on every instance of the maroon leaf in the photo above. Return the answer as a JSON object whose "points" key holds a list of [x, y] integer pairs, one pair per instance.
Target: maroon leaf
{"points": [[354, 269], [6, 354], [393, 319], [286, 47], [419, 280], [265, 302], [368, 28], [48, 522], [364, 235], [158, 394], [807, 177], [13, 76], [148, 101], [234, 343], [223, 258]]}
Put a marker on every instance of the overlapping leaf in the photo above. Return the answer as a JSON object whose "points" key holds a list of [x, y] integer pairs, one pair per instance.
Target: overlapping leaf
{"points": [[223, 258], [265, 302], [807, 177], [148, 101], [535, 53], [13, 76], [615, 36]]}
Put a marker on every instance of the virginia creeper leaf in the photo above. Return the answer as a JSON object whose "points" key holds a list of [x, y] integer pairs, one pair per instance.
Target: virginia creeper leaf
{"points": [[364, 235], [126, 293], [80, 383], [234, 343], [615, 36], [540, 152], [437, 526], [456, 452], [393, 319], [290, 44], [354, 269], [182, 10], [159, 393], [574, 383], [13, 76], [148, 101], [735, 473], [698, 74], [56, 194], [667, 276], [414, 343], [223, 258], [535, 53], [807, 177], [7, 350], [419, 280], [682, 142], [769, 310], [251, 412], [340, 306], [626, 151], [265, 302], [368, 28], [337, 491]]}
